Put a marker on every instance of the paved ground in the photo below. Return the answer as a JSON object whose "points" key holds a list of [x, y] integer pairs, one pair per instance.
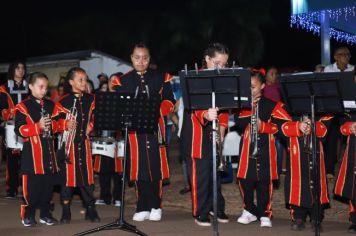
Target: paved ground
{"points": [[177, 219]]}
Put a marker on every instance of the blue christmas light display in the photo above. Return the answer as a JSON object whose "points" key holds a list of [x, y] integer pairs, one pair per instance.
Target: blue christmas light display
{"points": [[308, 21]]}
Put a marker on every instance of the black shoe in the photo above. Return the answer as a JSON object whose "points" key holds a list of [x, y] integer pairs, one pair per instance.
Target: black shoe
{"points": [[184, 191], [29, 222], [91, 214], [297, 225], [11, 196], [66, 214], [202, 221], [352, 229], [48, 220], [222, 217]]}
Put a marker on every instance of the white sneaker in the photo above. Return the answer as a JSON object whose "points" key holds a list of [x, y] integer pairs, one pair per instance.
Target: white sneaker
{"points": [[246, 218], [117, 203], [265, 222], [141, 216], [100, 202], [156, 214]]}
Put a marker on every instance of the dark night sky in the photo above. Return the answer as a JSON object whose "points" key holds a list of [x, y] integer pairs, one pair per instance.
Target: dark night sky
{"points": [[46, 27]]}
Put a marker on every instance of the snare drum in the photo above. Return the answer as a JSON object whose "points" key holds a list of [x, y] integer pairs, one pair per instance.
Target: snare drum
{"points": [[105, 147], [11, 139]]}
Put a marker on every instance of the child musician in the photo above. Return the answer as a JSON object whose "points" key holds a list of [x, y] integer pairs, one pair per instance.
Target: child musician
{"points": [[38, 159], [109, 168], [147, 158], [258, 160], [196, 139], [299, 182], [77, 169], [345, 184]]}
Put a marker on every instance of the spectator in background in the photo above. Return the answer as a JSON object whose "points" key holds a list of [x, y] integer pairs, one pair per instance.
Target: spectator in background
{"points": [[272, 90], [103, 78], [90, 88], [103, 87], [342, 58]]}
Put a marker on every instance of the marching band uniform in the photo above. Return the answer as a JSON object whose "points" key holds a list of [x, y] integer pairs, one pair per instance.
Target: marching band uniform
{"points": [[78, 170], [38, 161], [196, 138], [147, 159], [260, 172], [6, 104], [18, 93], [299, 181], [109, 168], [345, 183]]}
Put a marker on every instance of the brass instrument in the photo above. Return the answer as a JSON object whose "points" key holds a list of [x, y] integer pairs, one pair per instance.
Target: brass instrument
{"points": [[307, 141], [254, 136], [222, 163], [69, 135], [47, 133]]}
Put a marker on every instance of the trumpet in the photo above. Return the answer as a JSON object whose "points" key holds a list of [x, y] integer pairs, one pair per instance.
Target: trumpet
{"points": [[222, 163], [254, 136], [47, 133], [307, 141], [69, 135]]}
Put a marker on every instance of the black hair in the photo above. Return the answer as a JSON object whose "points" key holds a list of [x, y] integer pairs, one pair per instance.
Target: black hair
{"points": [[212, 50], [102, 84], [36, 75], [12, 68], [140, 45], [259, 74], [70, 76]]}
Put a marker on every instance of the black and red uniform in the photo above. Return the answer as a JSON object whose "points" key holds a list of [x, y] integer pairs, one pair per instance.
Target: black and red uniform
{"points": [[38, 158], [18, 93], [78, 170], [299, 181], [109, 169], [258, 173], [147, 159], [196, 138], [345, 185], [6, 104]]}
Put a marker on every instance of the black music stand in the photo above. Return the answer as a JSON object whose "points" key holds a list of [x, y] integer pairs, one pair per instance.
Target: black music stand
{"points": [[122, 111], [225, 89], [325, 93]]}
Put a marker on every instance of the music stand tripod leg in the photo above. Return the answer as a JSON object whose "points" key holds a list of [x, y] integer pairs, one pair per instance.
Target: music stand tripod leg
{"points": [[120, 223]]}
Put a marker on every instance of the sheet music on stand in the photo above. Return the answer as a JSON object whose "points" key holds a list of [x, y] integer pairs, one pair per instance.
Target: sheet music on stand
{"points": [[334, 92], [231, 89], [143, 113]]}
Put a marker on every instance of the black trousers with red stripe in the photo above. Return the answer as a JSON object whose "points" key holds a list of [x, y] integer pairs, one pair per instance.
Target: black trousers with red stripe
{"points": [[105, 186], [12, 171], [37, 192], [263, 195], [202, 187], [148, 195], [301, 213]]}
